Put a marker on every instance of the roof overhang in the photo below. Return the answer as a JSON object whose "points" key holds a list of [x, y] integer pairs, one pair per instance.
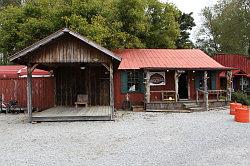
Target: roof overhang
{"points": [[57, 34], [191, 69]]}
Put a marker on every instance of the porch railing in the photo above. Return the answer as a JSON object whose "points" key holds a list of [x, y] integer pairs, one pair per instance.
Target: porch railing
{"points": [[166, 95], [220, 94]]}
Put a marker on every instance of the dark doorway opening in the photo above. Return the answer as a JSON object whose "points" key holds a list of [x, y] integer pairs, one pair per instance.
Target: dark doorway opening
{"points": [[183, 86]]}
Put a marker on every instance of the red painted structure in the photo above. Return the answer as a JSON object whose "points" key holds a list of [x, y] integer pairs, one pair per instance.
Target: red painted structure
{"points": [[241, 64], [13, 86], [192, 61]]}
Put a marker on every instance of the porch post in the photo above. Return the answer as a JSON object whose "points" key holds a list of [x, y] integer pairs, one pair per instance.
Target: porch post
{"points": [[147, 86], [242, 81], [111, 90], [229, 84], [29, 93], [205, 91], [176, 80]]}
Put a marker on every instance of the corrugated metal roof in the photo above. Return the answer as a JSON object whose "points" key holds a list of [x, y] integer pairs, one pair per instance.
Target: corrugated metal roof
{"points": [[240, 62], [167, 58], [16, 71]]}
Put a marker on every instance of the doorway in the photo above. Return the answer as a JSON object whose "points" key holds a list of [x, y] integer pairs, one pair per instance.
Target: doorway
{"points": [[183, 86]]}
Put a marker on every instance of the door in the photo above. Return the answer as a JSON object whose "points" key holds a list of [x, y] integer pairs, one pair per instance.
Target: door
{"points": [[104, 92], [183, 86]]}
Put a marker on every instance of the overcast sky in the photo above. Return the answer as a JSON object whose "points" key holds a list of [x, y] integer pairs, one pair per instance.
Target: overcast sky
{"points": [[194, 6]]}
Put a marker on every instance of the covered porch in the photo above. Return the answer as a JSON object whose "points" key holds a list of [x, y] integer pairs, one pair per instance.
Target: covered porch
{"points": [[63, 113], [178, 89], [83, 72]]}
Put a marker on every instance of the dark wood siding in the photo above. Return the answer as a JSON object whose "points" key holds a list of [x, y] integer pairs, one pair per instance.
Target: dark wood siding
{"points": [[68, 49], [93, 80]]}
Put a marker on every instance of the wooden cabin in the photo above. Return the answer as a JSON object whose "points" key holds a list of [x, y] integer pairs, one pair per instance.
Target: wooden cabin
{"points": [[80, 67], [163, 79], [241, 73]]}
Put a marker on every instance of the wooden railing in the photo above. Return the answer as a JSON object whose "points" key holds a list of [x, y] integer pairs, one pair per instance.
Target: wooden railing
{"points": [[220, 94], [166, 95]]}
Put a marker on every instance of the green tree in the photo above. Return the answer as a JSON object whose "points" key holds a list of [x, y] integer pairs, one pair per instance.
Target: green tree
{"points": [[164, 28], [226, 27], [111, 23], [186, 22], [4, 3]]}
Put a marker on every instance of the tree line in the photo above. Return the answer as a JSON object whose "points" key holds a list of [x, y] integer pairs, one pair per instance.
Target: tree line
{"points": [[226, 28], [115, 24]]}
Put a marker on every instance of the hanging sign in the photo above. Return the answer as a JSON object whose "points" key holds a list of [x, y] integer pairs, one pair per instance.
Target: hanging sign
{"points": [[157, 78]]}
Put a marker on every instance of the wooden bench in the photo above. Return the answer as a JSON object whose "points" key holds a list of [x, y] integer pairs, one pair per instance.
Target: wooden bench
{"points": [[82, 100]]}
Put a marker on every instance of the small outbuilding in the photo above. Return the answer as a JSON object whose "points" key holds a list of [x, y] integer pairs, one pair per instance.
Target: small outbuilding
{"points": [[83, 70], [241, 73], [13, 86]]}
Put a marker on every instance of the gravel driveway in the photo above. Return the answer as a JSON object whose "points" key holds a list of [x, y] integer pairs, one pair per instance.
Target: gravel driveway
{"points": [[202, 138]]}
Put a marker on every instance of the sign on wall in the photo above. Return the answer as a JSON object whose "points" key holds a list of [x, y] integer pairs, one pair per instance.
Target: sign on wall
{"points": [[157, 78]]}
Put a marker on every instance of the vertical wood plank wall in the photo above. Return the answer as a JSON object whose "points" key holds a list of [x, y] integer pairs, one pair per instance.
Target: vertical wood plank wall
{"points": [[68, 49], [93, 81], [42, 91]]}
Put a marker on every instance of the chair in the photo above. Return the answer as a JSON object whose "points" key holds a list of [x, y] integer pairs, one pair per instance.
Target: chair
{"points": [[82, 100]]}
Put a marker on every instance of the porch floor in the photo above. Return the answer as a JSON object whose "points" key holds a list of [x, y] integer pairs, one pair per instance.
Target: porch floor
{"points": [[61, 113]]}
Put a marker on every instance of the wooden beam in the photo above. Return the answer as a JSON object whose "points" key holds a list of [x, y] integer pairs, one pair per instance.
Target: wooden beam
{"points": [[111, 90], [33, 67], [189, 78], [176, 80], [205, 91], [242, 81], [147, 87], [106, 66], [229, 76], [29, 93]]}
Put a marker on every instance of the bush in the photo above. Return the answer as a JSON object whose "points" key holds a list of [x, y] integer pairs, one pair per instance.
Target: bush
{"points": [[240, 97]]}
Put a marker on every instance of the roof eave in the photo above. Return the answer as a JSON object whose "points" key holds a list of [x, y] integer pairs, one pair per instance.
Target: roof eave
{"points": [[172, 68], [55, 35]]}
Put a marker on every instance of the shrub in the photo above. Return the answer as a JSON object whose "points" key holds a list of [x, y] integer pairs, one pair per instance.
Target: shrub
{"points": [[240, 97]]}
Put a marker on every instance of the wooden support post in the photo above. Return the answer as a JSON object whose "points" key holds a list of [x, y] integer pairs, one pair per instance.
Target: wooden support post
{"points": [[176, 82], [205, 91], [29, 92], [147, 87], [242, 83], [229, 85], [197, 96], [111, 80]]}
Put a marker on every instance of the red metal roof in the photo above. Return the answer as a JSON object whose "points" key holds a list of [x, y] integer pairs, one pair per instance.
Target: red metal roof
{"points": [[166, 58], [19, 71], [240, 62]]}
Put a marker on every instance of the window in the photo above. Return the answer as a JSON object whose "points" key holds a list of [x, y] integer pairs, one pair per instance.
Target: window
{"points": [[132, 81], [211, 81]]}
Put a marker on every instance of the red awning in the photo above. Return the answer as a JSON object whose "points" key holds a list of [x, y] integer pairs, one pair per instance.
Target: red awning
{"points": [[235, 73]]}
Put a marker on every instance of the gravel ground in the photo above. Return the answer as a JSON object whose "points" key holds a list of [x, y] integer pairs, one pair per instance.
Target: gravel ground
{"points": [[202, 138]]}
